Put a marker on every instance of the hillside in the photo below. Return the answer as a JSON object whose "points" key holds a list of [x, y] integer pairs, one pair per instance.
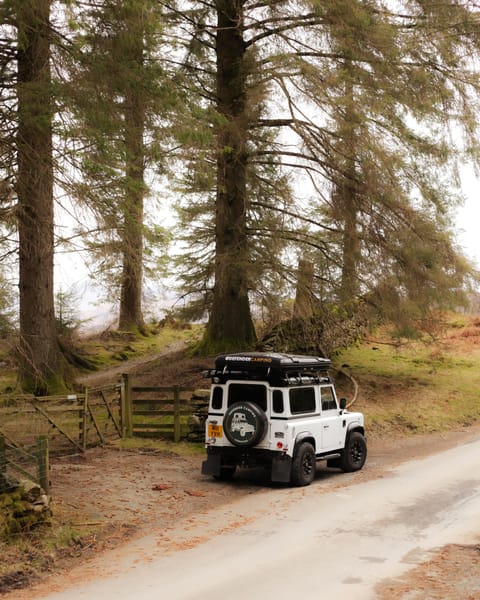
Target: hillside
{"points": [[404, 388]]}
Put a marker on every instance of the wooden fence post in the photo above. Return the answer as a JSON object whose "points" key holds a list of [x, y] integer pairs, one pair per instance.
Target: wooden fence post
{"points": [[43, 466], [3, 456], [176, 414], [80, 420], [122, 408], [84, 420], [127, 416]]}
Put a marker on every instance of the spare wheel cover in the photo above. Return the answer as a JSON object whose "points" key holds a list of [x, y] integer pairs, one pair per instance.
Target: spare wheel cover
{"points": [[244, 424]]}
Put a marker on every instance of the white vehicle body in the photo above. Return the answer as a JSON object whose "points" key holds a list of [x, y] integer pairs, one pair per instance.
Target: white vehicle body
{"points": [[255, 421]]}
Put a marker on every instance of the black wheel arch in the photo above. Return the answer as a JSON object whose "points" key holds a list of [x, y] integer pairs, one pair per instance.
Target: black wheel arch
{"points": [[305, 436], [355, 427]]}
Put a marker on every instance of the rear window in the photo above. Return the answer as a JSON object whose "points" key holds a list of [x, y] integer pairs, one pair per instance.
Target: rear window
{"points": [[217, 398], [250, 392], [302, 400], [277, 404]]}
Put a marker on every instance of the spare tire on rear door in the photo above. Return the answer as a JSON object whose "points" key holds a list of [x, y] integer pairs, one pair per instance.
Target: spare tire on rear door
{"points": [[244, 424]]}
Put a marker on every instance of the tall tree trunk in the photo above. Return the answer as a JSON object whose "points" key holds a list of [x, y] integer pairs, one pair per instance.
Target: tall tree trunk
{"points": [[134, 113], [350, 247], [304, 298], [230, 325], [348, 200], [39, 353]]}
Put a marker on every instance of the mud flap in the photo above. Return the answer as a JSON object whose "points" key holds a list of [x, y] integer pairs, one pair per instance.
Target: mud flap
{"points": [[212, 465], [281, 468]]}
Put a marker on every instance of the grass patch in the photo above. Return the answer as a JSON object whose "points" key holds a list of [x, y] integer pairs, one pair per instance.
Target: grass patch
{"points": [[160, 445], [112, 347], [26, 557], [417, 388]]}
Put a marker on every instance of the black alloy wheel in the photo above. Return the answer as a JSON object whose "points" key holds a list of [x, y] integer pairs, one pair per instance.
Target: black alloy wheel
{"points": [[304, 465], [355, 452]]}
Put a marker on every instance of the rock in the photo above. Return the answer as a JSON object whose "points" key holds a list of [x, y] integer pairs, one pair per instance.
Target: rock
{"points": [[7, 484], [196, 421], [22, 509], [31, 490], [201, 394]]}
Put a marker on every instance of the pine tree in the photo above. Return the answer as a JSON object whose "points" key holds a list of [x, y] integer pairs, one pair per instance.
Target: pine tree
{"points": [[120, 102], [40, 362], [367, 96]]}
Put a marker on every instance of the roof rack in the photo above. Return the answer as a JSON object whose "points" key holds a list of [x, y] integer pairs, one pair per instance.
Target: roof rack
{"points": [[276, 368]]}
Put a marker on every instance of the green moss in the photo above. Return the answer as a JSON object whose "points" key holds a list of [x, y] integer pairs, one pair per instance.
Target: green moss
{"points": [[52, 385], [116, 346], [17, 516]]}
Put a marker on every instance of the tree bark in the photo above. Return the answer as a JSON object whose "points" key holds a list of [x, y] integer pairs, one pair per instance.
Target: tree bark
{"points": [[350, 248], [230, 325], [132, 235], [40, 364], [304, 298], [348, 200]]}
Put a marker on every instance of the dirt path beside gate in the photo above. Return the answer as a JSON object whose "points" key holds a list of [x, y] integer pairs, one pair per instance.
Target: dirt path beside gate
{"points": [[113, 374]]}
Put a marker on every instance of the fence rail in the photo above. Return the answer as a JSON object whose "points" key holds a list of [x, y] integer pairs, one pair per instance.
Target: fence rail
{"points": [[71, 422], [31, 463], [156, 411]]}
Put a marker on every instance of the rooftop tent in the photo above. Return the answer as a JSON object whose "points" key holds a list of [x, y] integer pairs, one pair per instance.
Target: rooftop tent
{"points": [[277, 368]]}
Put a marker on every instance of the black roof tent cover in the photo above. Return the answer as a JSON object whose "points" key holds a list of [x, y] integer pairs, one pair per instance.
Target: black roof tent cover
{"points": [[271, 366]]}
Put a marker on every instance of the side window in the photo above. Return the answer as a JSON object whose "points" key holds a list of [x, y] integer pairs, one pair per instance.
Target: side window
{"points": [[328, 399], [217, 398], [241, 392], [277, 404], [302, 400]]}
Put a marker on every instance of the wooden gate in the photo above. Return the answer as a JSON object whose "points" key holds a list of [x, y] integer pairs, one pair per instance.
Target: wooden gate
{"points": [[157, 411], [71, 422]]}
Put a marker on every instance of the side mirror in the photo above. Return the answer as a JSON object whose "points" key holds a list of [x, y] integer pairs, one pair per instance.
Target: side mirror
{"points": [[343, 403]]}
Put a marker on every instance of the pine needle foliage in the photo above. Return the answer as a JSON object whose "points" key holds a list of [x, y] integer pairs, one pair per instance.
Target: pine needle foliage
{"points": [[366, 109], [122, 99]]}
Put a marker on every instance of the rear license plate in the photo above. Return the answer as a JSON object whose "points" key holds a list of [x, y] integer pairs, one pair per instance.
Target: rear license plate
{"points": [[215, 431]]}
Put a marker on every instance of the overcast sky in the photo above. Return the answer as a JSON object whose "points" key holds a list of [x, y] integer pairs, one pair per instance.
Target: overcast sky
{"points": [[468, 217]]}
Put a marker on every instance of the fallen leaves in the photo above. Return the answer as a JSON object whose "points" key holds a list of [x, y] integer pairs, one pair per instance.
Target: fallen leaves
{"points": [[161, 487]]}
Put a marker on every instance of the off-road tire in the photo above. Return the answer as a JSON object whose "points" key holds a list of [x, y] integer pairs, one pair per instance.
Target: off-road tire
{"points": [[303, 465], [354, 453], [256, 418]]}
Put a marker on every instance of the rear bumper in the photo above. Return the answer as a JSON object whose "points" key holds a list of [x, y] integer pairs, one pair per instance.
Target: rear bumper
{"points": [[279, 463]]}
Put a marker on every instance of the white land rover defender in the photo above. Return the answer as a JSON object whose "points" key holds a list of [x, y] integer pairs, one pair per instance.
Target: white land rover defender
{"points": [[279, 411]]}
